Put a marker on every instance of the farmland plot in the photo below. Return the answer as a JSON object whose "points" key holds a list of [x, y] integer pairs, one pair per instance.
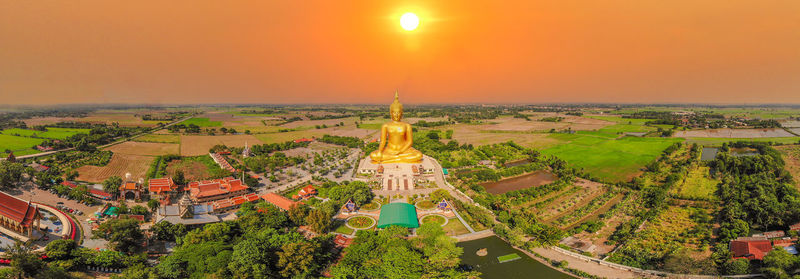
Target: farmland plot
{"points": [[119, 165], [144, 148], [199, 145]]}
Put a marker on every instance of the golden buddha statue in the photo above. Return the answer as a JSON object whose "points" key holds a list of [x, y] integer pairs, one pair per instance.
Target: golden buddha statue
{"points": [[396, 139]]}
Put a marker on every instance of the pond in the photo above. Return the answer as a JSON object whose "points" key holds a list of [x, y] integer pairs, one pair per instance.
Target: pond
{"points": [[709, 153], [490, 267], [537, 178]]}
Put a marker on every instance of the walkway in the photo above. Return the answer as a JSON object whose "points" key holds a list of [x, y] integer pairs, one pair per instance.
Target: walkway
{"points": [[474, 235]]}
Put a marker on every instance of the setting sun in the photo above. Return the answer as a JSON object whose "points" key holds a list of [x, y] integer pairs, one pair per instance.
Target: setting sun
{"points": [[409, 21]]}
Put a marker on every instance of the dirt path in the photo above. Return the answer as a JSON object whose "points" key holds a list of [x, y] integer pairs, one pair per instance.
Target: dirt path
{"points": [[592, 268]]}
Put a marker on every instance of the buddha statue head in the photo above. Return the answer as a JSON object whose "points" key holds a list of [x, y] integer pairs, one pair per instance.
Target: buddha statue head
{"points": [[396, 108]]}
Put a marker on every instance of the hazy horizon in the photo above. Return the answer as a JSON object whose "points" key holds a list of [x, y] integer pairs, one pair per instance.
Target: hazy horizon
{"points": [[354, 52]]}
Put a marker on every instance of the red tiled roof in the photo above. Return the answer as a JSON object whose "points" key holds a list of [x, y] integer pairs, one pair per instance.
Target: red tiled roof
{"points": [[750, 248], [238, 200], [795, 227], [128, 186], [160, 185], [99, 193], [16, 209], [308, 190], [278, 200], [69, 184], [303, 140], [209, 188], [783, 242]]}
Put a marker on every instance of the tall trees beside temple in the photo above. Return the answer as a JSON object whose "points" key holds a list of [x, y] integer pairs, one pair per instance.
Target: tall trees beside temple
{"points": [[388, 254]]}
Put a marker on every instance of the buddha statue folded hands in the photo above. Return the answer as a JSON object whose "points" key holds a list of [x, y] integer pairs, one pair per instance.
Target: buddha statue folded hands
{"points": [[396, 139]]}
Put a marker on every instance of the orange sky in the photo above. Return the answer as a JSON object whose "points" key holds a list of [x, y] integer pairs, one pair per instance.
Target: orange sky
{"points": [[717, 51]]}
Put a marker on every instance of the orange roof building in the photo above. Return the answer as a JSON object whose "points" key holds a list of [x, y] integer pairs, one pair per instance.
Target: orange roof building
{"points": [[217, 189], [18, 216], [752, 248], [233, 203], [306, 192], [158, 186], [279, 201]]}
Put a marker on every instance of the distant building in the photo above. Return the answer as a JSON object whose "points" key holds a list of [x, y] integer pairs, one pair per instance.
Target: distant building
{"points": [[38, 167], [303, 140], [98, 194]]}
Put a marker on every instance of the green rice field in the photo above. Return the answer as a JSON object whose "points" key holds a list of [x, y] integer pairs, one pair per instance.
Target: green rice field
{"points": [[19, 145], [202, 122], [51, 133], [607, 156]]}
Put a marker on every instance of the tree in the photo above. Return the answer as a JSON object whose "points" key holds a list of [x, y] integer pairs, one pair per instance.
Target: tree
{"points": [[10, 173], [298, 213], [179, 178], [250, 181], [780, 259], [111, 185], [60, 249], [153, 205], [297, 259], [735, 267], [433, 135], [24, 262], [124, 235], [318, 221]]}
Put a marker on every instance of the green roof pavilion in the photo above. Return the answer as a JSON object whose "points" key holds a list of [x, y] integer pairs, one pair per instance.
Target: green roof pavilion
{"points": [[398, 214]]}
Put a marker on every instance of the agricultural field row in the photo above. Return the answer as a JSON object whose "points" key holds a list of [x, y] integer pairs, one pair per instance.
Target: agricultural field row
{"points": [[51, 133], [585, 210]]}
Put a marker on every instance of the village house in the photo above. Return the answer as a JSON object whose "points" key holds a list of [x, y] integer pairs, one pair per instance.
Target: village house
{"points": [[305, 193], [751, 248]]}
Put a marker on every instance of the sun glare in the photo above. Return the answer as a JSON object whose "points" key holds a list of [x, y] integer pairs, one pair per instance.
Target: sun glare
{"points": [[409, 21]]}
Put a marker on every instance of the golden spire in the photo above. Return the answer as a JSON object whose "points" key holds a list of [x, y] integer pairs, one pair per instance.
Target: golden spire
{"points": [[396, 104]]}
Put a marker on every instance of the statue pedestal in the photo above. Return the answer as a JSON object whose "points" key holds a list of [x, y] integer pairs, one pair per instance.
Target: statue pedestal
{"points": [[398, 176]]}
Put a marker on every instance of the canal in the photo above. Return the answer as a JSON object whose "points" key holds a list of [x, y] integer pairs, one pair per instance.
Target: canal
{"points": [[490, 267]]}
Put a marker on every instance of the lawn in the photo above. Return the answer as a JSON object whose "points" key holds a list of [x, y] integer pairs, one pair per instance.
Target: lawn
{"points": [[343, 229], [20, 145], [51, 133], [455, 227], [159, 138], [610, 159], [698, 185], [202, 122], [433, 219], [426, 204]]}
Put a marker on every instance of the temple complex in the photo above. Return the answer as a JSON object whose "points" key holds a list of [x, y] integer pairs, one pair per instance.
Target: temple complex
{"points": [[18, 218]]}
